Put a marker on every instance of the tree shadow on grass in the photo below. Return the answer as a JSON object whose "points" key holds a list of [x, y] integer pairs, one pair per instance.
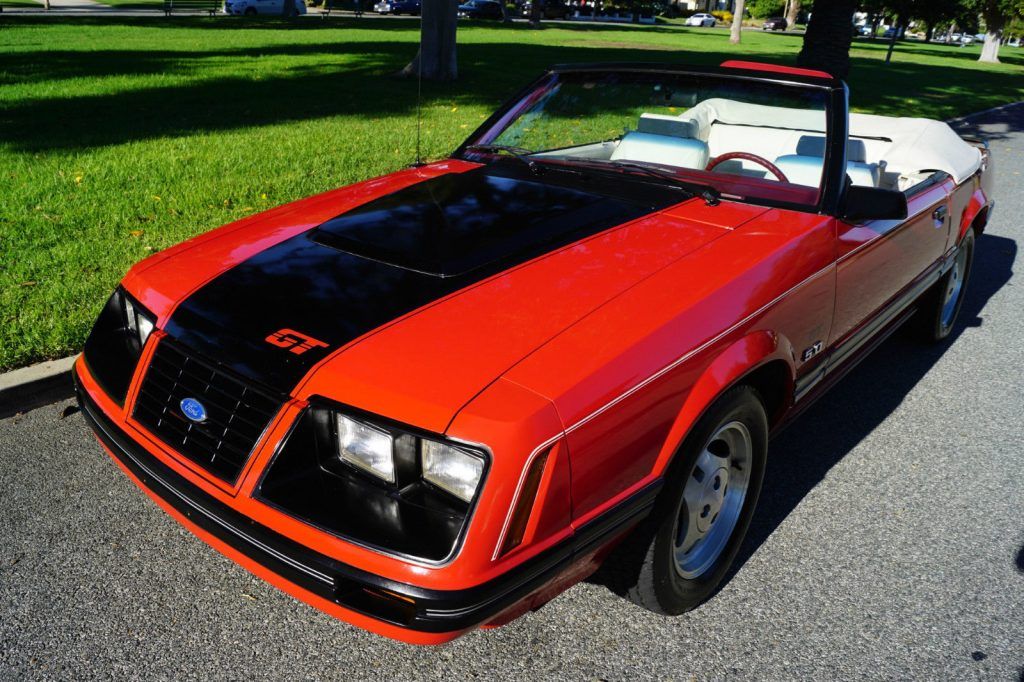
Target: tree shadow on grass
{"points": [[802, 455], [349, 78], [352, 78]]}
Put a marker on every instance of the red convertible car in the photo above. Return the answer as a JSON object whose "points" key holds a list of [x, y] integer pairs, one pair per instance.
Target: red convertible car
{"points": [[433, 401]]}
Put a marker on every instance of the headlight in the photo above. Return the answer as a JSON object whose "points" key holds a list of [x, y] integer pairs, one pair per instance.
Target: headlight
{"points": [[376, 482], [140, 324], [391, 456], [366, 448], [114, 347], [451, 469]]}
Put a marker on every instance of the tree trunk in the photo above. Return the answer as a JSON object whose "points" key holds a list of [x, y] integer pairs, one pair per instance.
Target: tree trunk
{"points": [[828, 37], [892, 40], [535, 14], [929, 33], [288, 8], [792, 14], [436, 57], [990, 50], [995, 21], [737, 22]]}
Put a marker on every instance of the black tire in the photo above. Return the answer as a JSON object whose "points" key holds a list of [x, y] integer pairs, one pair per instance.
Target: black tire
{"points": [[938, 311], [643, 568], [250, 11]]}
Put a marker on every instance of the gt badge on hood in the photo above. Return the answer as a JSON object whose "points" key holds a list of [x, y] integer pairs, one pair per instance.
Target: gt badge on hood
{"points": [[294, 341]]}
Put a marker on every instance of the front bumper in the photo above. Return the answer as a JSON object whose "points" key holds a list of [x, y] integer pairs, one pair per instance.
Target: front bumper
{"points": [[387, 607]]}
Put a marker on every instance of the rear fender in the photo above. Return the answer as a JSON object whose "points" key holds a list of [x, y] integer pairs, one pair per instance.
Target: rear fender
{"points": [[975, 206], [728, 369]]}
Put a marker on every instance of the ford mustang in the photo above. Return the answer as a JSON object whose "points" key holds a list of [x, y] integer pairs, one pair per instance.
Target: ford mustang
{"points": [[432, 401]]}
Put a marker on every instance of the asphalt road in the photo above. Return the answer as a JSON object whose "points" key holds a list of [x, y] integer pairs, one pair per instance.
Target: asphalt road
{"points": [[889, 544]]}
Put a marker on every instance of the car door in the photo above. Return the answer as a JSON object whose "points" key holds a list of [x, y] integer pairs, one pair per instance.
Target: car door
{"points": [[883, 265]]}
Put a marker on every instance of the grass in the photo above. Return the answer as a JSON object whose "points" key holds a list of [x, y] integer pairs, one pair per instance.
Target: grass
{"points": [[122, 136]]}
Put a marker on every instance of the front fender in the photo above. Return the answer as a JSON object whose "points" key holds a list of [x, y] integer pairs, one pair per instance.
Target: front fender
{"points": [[739, 360]]}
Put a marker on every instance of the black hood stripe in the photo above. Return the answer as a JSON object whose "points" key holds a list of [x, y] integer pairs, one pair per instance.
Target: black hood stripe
{"points": [[369, 266]]}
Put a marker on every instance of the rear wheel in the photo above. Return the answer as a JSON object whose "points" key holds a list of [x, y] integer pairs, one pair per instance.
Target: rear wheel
{"points": [[941, 305], [675, 560]]}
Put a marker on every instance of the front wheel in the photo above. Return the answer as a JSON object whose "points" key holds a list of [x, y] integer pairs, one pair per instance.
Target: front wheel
{"points": [[677, 558], [942, 303]]}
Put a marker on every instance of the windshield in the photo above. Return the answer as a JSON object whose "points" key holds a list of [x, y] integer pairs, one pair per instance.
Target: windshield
{"points": [[749, 140]]}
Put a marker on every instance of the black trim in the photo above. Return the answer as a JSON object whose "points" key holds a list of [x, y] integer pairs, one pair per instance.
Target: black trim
{"points": [[401, 604]]}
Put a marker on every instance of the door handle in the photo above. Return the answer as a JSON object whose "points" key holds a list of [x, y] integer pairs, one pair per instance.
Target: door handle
{"points": [[939, 216]]}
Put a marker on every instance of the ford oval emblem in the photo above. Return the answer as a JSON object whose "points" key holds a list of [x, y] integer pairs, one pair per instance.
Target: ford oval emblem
{"points": [[194, 410]]}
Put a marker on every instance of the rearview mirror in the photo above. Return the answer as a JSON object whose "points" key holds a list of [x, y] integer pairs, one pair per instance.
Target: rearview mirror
{"points": [[861, 204]]}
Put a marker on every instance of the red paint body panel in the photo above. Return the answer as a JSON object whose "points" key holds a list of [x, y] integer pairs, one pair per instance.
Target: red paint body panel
{"points": [[775, 68], [599, 355]]}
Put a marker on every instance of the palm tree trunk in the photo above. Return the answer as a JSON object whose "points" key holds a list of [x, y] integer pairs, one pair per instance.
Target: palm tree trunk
{"points": [[736, 34], [828, 37]]}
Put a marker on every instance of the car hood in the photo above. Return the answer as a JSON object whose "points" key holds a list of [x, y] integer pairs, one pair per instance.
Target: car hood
{"points": [[412, 302]]}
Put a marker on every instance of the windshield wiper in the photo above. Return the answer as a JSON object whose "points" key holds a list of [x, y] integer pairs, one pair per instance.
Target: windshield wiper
{"points": [[710, 195], [517, 153]]}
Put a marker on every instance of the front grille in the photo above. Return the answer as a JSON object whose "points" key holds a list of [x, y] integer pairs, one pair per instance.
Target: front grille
{"points": [[236, 413]]}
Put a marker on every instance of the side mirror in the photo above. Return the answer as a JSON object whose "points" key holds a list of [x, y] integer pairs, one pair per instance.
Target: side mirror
{"points": [[861, 204]]}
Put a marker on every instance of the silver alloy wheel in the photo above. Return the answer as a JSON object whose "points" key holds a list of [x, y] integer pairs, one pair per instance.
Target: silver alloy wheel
{"points": [[713, 499], [954, 287]]}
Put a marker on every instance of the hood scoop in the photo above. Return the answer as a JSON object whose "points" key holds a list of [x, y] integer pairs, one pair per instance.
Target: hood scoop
{"points": [[455, 224]]}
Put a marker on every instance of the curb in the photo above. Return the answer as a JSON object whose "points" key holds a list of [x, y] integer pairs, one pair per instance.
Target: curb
{"points": [[34, 386]]}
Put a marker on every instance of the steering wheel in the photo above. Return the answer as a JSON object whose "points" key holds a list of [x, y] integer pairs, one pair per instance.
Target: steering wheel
{"points": [[728, 156]]}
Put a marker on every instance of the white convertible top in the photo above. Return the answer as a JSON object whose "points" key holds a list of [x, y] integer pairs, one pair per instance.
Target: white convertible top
{"points": [[910, 144], [920, 143]]}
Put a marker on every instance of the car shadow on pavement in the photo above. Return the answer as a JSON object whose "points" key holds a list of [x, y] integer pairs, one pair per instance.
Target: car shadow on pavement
{"points": [[801, 456]]}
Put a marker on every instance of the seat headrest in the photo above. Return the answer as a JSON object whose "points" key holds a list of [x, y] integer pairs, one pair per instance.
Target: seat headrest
{"points": [[672, 126], [814, 145]]}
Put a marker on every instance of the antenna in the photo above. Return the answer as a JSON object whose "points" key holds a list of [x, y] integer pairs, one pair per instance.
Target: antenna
{"points": [[419, 107]]}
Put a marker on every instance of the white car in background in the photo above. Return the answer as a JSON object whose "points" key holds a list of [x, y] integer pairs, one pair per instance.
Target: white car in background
{"points": [[701, 19], [267, 7]]}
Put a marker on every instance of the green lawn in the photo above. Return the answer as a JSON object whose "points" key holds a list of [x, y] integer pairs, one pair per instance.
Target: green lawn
{"points": [[120, 137]]}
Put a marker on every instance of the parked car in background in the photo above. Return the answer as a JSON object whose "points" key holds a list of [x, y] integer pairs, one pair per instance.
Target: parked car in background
{"points": [[396, 7], [549, 9], [864, 30], [265, 7], [890, 32], [775, 24], [480, 9], [701, 19]]}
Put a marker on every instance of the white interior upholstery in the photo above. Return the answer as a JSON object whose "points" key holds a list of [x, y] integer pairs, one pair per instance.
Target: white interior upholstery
{"points": [[806, 170], [901, 148], [663, 139]]}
